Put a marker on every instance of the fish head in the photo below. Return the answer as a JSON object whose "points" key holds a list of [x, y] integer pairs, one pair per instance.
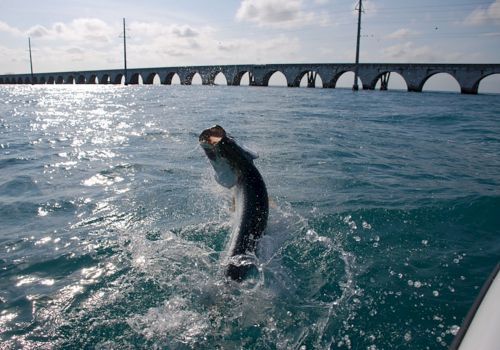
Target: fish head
{"points": [[213, 140]]}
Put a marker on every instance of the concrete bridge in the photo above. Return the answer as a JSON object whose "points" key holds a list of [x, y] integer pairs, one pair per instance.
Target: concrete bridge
{"points": [[415, 75]]}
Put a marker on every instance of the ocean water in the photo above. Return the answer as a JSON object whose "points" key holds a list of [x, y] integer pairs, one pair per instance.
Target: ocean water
{"points": [[384, 217]]}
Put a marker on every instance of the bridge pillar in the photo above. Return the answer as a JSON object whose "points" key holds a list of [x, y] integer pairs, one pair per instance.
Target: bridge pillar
{"points": [[311, 79], [414, 88], [469, 81], [230, 78], [384, 81], [368, 76], [469, 90], [231, 74], [185, 77], [257, 77], [415, 78], [207, 80], [293, 74]]}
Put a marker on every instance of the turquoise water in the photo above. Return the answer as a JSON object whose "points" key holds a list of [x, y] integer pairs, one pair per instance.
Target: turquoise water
{"points": [[383, 222]]}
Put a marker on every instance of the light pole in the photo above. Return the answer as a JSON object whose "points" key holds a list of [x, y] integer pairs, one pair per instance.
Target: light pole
{"points": [[124, 52], [355, 87], [31, 60]]}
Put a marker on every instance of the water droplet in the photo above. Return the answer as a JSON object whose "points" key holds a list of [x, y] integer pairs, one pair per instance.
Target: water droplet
{"points": [[454, 329], [407, 336]]}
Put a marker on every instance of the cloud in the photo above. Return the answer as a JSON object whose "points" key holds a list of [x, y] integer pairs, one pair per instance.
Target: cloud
{"points": [[274, 13], [75, 51], [482, 15], [87, 43], [155, 29], [81, 29], [185, 32], [402, 33], [275, 49], [4, 27], [410, 53]]}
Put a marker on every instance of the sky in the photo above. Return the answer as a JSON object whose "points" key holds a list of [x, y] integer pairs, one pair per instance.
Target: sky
{"points": [[86, 34]]}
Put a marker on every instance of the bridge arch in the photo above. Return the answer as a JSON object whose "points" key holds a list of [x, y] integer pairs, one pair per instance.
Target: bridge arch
{"points": [[43, 80], [60, 80], [220, 79], [93, 79], [80, 79], [27, 80], [136, 79], [243, 77], [298, 79], [118, 79], [488, 83], [308, 78], [152, 78], [344, 79], [196, 79], [275, 77], [20, 80], [192, 78], [208, 76], [70, 79], [395, 81], [171, 78], [440, 81], [51, 80], [104, 79]]}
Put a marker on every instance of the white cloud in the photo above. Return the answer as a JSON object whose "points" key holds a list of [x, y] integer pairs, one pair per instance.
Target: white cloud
{"points": [[409, 52], [155, 29], [277, 49], [402, 33], [4, 27], [86, 43], [275, 13], [482, 15], [81, 29]]}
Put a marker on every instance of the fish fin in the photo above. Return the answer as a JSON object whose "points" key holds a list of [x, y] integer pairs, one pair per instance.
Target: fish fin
{"points": [[249, 154]]}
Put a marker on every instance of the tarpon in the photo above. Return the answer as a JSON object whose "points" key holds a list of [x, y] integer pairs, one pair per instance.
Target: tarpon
{"points": [[234, 169]]}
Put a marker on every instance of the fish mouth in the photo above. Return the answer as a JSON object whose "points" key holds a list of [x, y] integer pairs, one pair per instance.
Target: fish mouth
{"points": [[214, 142], [212, 136]]}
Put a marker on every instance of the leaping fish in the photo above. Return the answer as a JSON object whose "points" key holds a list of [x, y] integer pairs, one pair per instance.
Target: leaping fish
{"points": [[234, 168]]}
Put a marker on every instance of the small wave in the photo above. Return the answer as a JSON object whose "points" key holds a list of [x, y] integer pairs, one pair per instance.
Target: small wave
{"points": [[9, 162], [102, 180], [19, 186]]}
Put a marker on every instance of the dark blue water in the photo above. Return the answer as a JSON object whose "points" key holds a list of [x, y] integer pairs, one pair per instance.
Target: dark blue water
{"points": [[383, 226]]}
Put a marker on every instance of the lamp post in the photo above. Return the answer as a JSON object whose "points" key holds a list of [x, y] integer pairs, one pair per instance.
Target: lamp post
{"points": [[355, 87]]}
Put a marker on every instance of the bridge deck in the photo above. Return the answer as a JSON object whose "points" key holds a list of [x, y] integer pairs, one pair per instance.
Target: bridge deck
{"points": [[415, 75]]}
